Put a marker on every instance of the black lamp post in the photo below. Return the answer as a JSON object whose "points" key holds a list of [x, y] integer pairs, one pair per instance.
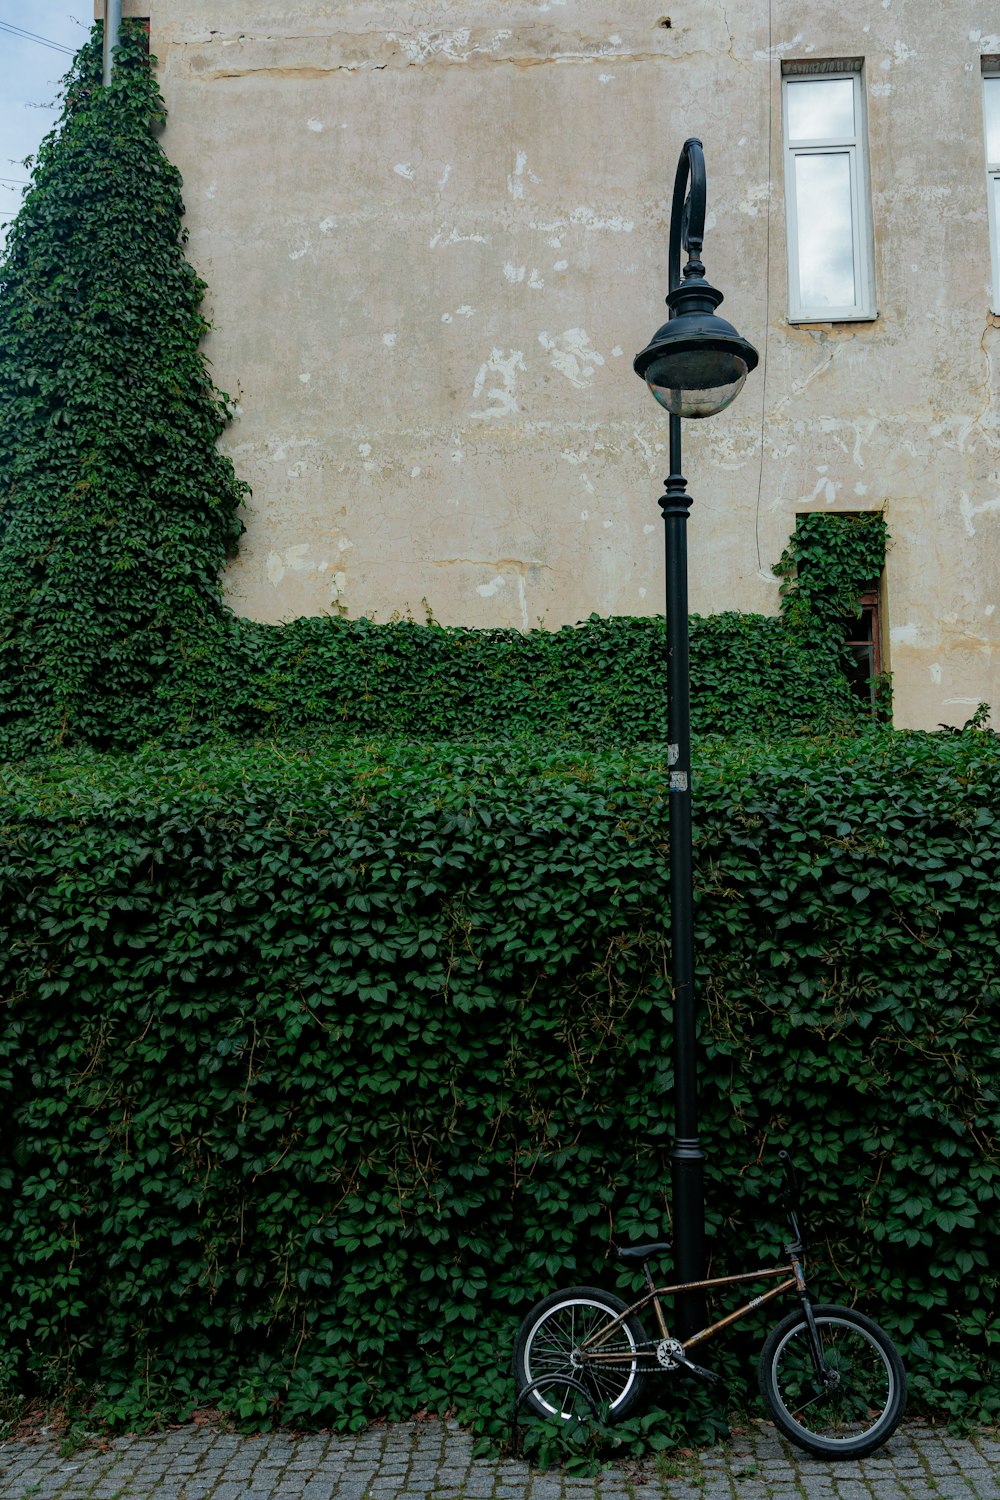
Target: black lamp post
{"points": [[695, 365], [112, 30]]}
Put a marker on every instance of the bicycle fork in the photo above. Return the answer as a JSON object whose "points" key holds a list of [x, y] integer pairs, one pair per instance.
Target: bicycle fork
{"points": [[823, 1374]]}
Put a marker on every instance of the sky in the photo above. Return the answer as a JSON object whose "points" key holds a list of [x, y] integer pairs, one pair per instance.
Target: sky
{"points": [[29, 81]]}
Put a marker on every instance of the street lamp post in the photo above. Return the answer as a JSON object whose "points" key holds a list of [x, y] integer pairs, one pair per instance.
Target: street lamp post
{"points": [[112, 29], [695, 365]]}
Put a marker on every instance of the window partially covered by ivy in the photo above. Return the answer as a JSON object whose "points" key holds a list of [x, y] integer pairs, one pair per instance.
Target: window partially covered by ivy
{"points": [[833, 599], [863, 640]]}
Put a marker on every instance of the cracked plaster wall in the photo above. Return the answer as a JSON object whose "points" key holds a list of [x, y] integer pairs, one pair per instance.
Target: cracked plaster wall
{"points": [[435, 235]]}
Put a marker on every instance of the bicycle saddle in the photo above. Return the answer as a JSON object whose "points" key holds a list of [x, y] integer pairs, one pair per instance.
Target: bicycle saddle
{"points": [[641, 1253]]}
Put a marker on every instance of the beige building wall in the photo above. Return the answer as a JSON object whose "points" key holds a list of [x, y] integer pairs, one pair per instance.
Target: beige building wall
{"points": [[435, 235]]}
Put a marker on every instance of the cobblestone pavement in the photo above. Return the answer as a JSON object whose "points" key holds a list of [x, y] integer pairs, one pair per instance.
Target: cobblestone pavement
{"points": [[431, 1458]]}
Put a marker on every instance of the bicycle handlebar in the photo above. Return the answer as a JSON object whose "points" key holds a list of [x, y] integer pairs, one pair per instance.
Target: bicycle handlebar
{"points": [[791, 1176], [791, 1198]]}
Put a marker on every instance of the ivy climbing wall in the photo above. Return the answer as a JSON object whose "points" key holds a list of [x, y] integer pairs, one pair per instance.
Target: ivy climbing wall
{"points": [[119, 512]]}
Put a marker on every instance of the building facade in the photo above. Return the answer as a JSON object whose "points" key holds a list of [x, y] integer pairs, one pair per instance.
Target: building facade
{"points": [[435, 235]]}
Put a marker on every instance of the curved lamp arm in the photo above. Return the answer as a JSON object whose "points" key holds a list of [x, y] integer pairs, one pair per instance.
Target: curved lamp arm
{"points": [[687, 219]]}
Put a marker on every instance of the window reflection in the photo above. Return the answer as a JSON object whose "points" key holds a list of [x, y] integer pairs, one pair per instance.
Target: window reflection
{"points": [[825, 230], [820, 109], [991, 97]]}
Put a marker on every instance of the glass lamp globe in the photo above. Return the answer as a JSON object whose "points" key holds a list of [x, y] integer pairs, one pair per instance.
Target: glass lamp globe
{"points": [[695, 365], [697, 382]]}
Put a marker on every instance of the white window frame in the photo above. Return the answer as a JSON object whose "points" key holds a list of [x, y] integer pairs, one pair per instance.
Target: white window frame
{"points": [[855, 148], [991, 75]]}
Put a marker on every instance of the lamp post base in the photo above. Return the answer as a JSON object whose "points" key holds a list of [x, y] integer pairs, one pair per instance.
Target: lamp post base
{"points": [[688, 1200]]}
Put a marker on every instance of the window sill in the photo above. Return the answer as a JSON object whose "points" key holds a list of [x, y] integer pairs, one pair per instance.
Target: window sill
{"points": [[813, 320]]}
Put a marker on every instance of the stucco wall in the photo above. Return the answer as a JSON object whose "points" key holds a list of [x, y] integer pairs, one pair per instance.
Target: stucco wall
{"points": [[435, 235]]}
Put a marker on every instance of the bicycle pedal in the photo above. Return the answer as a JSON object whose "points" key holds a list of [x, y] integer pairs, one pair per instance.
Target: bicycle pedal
{"points": [[700, 1373]]}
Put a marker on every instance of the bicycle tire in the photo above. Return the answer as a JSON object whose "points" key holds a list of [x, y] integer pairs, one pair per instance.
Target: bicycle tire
{"points": [[545, 1347], [859, 1409]]}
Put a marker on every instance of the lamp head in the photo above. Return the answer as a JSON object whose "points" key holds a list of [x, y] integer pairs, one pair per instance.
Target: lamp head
{"points": [[695, 365]]}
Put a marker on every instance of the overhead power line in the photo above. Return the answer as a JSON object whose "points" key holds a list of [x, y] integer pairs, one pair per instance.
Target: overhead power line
{"points": [[31, 36]]}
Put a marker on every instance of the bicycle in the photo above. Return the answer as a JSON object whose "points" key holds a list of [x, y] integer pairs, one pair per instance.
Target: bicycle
{"points": [[830, 1378]]}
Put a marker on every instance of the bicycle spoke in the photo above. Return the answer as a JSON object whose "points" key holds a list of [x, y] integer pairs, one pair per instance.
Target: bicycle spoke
{"points": [[854, 1396], [553, 1348]]}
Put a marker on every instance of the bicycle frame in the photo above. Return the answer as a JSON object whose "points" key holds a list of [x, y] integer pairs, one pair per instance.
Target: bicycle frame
{"points": [[793, 1281]]}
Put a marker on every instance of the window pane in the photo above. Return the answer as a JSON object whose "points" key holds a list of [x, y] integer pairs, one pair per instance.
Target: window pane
{"points": [[825, 224], [820, 109], [991, 96]]}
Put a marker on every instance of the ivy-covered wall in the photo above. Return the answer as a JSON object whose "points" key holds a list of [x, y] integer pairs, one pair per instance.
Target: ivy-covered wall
{"points": [[117, 512]]}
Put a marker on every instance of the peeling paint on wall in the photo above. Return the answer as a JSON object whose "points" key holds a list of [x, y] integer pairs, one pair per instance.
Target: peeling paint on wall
{"points": [[502, 397], [572, 354]]}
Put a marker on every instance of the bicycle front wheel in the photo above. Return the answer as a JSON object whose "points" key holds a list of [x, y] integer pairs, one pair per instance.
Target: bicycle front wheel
{"points": [[854, 1404], [548, 1350]]}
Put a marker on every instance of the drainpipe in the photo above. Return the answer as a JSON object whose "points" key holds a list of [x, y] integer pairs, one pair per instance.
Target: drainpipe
{"points": [[112, 26]]}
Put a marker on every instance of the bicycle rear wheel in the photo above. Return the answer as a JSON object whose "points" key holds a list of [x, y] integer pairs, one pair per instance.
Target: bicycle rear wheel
{"points": [[548, 1350], [859, 1400]]}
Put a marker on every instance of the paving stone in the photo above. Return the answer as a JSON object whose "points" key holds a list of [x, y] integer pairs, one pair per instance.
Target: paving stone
{"points": [[432, 1461]]}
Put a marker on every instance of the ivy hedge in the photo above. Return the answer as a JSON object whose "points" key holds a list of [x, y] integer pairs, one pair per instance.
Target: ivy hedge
{"points": [[320, 1066], [602, 682]]}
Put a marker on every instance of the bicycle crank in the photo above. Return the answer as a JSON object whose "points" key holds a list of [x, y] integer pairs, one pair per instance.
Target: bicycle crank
{"points": [[670, 1356]]}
